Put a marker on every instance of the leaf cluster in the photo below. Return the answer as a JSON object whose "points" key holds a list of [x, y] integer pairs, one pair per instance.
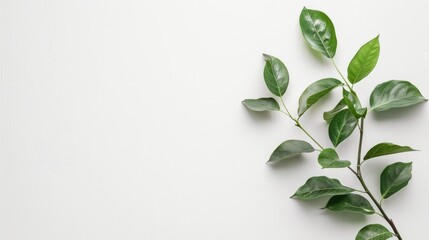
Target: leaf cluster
{"points": [[343, 119]]}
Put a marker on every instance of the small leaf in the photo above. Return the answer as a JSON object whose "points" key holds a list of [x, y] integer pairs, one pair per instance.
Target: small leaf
{"points": [[386, 148], [374, 232], [262, 104], [364, 61], [327, 116], [395, 94], [342, 126], [276, 75], [328, 158], [289, 149], [315, 92], [319, 32], [316, 187], [394, 177], [353, 103], [350, 203]]}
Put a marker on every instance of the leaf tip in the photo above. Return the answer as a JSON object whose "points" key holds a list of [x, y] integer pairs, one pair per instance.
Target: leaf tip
{"points": [[266, 56]]}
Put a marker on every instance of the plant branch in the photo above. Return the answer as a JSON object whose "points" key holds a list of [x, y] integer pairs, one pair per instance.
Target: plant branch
{"points": [[344, 79], [298, 124], [361, 180]]}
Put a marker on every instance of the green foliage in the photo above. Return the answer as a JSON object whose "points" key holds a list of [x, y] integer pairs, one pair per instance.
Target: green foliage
{"points": [[319, 32], [395, 94], [364, 61], [290, 149], [350, 203], [342, 126], [321, 186], [383, 149], [315, 92], [328, 115], [329, 158], [374, 232], [262, 104], [353, 103], [276, 75], [395, 177]]}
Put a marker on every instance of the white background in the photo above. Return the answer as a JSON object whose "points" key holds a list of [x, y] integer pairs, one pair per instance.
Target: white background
{"points": [[123, 119]]}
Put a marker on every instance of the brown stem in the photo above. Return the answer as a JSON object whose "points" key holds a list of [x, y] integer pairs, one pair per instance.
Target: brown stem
{"points": [[358, 174]]}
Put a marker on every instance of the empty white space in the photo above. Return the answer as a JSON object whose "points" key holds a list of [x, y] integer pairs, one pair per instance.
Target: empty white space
{"points": [[123, 119]]}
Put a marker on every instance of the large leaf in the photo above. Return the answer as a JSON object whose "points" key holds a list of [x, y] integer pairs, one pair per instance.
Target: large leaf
{"points": [[289, 149], [350, 203], [315, 92], [394, 177], [395, 94], [364, 61], [319, 32], [262, 104], [328, 158], [327, 116], [316, 187], [386, 148], [342, 126], [374, 232], [276, 75], [353, 103]]}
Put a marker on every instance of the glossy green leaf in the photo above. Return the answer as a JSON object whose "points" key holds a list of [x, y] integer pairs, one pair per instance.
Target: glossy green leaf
{"points": [[328, 158], [276, 75], [350, 203], [364, 61], [374, 232], [353, 103], [289, 149], [386, 148], [316, 187], [262, 104], [319, 32], [327, 116], [342, 126], [315, 92], [395, 177], [395, 94]]}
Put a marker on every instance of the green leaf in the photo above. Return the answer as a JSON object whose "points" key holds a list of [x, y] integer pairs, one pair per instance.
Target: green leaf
{"points": [[328, 158], [276, 75], [374, 232], [319, 32], [289, 149], [342, 126], [395, 177], [353, 103], [262, 104], [395, 94], [364, 61], [327, 116], [316, 187], [315, 92], [386, 148], [350, 203]]}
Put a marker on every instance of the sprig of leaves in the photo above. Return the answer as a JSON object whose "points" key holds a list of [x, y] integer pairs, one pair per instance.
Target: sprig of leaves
{"points": [[349, 114]]}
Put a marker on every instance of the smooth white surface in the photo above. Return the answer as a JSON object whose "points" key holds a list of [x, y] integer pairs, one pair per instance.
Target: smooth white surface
{"points": [[123, 119]]}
